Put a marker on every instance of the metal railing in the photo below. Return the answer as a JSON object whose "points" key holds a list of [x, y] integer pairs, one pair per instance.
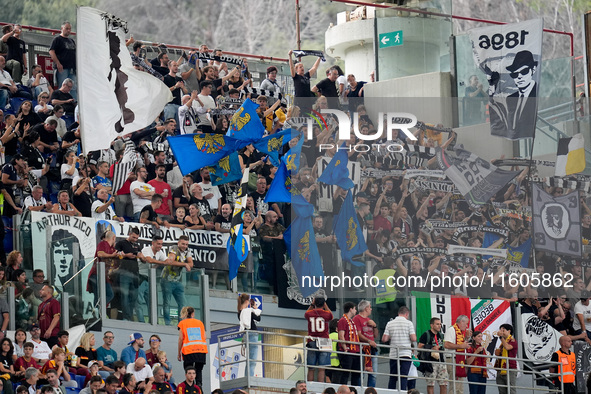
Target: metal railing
{"points": [[247, 380]]}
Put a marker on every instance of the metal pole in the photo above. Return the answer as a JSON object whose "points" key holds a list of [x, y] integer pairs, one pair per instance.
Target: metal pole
{"points": [[102, 288], [298, 39], [153, 300], [65, 316], [376, 47], [12, 308]]}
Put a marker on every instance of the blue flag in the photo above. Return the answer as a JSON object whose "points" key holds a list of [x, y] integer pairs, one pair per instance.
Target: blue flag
{"points": [[337, 173], [273, 144], [305, 258], [281, 189], [520, 254], [348, 232], [226, 170], [237, 245], [245, 124], [195, 151]]}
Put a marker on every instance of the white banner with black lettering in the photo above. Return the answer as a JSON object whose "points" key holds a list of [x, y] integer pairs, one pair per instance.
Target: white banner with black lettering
{"points": [[453, 249], [511, 57], [70, 243]]}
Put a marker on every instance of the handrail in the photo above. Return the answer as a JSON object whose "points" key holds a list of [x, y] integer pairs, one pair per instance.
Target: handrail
{"points": [[80, 270], [448, 361]]}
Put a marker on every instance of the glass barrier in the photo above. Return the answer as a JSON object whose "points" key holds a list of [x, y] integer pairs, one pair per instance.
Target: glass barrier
{"points": [[410, 43]]}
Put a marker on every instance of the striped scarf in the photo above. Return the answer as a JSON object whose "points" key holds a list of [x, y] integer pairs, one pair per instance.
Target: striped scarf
{"points": [[352, 336]]}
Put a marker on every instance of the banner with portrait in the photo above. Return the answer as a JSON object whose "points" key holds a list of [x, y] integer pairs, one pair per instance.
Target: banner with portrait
{"points": [[557, 222], [511, 57], [70, 244]]}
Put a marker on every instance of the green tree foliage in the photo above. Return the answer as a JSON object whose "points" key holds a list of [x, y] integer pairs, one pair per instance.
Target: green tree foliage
{"points": [[45, 13]]}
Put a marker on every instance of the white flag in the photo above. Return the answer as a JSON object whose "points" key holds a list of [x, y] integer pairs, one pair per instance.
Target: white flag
{"points": [[115, 98]]}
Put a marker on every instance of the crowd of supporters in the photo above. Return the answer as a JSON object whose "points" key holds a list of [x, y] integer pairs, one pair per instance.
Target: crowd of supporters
{"points": [[44, 170]]}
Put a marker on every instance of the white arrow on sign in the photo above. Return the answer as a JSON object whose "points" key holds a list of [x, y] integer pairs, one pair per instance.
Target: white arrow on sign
{"points": [[385, 40]]}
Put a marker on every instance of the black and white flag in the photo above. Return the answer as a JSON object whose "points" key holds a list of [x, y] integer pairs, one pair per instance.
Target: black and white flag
{"points": [[557, 222], [301, 53], [115, 98], [263, 92], [511, 57], [476, 179], [122, 169]]}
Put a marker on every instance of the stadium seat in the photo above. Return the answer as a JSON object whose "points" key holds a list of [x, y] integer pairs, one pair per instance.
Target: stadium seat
{"points": [[71, 390], [80, 380]]}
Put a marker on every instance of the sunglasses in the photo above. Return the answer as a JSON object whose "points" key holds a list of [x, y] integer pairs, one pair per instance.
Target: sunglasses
{"points": [[525, 71]]}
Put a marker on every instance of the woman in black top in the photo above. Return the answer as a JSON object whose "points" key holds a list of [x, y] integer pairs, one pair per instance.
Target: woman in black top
{"points": [[26, 115], [6, 361]]}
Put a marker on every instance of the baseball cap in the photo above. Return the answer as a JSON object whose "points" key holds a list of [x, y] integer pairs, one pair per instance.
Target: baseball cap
{"points": [[33, 326], [91, 363], [133, 337]]}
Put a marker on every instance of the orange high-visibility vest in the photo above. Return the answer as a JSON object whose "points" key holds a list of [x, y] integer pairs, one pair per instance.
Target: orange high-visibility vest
{"points": [[194, 338]]}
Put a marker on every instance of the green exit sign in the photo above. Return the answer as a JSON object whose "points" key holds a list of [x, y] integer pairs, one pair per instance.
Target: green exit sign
{"points": [[391, 39]]}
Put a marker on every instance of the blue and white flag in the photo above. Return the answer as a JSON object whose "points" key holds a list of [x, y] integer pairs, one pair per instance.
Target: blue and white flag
{"points": [[348, 232]]}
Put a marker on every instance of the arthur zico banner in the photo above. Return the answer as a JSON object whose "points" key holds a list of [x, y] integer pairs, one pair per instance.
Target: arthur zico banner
{"points": [[71, 244], [503, 232], [511, 57], [540, 340]]}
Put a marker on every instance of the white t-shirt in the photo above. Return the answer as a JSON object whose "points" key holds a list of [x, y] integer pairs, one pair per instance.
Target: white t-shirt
{"points": [[141, 375], [342, 80], [208, 103], [43, 84], [5, 78], [107, 214], [586, 312], [31, 202], [40, 107], [66, 167], [144, 268], [41, 350], [137, 201], [209, 188]]}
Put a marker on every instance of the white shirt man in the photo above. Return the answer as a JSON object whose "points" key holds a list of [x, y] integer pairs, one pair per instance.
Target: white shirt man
{"points": [[211, 193], [141, 192], [152, 254], [36, 201], [140, 369], [582, 312], [101, 208]]}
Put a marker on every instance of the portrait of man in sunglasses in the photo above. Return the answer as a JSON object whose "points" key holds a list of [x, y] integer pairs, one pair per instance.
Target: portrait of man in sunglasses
{"points": [[522, 104]]}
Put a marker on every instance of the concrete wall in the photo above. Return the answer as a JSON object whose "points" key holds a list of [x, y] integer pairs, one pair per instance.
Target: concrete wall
{"points": [[427, 96]]}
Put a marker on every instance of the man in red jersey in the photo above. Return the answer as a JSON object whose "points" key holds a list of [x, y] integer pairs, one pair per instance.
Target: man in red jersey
{"points": [[318, 316]]}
